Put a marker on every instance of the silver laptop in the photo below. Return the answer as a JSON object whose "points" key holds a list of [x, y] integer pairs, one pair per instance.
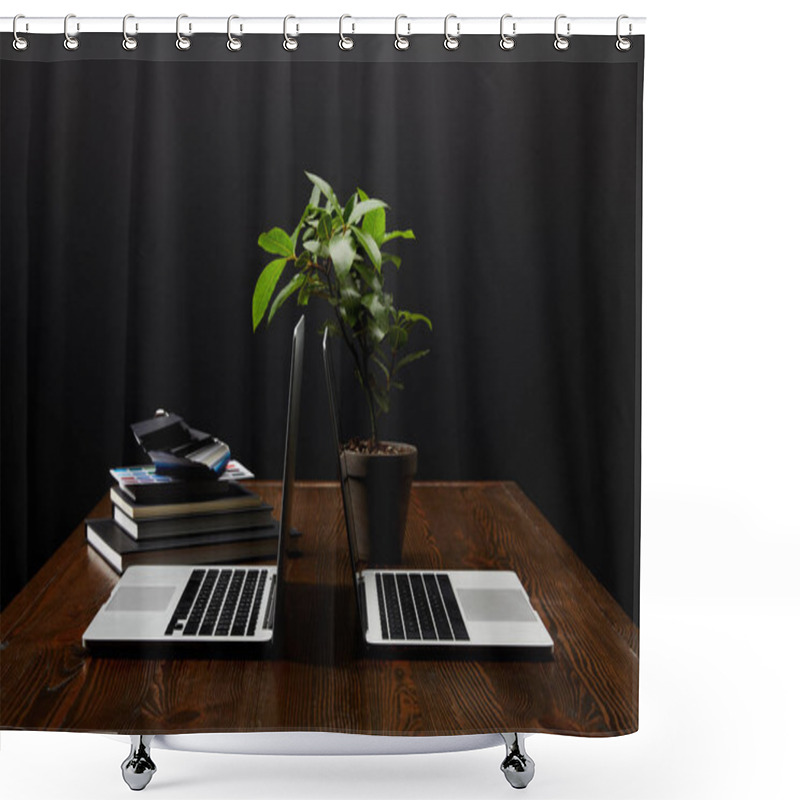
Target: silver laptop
{"points": [[204, 608], [415, 610]]}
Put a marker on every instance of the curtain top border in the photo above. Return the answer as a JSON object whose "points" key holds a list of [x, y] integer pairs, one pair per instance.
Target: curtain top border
{"points": [[369, 48]]}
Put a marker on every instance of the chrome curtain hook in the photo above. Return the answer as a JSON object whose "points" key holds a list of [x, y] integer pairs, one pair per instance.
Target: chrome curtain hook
{"points": [[451, 42], [129, 42], [288, 42], [507, 42], [182, 42], [623, 44], [19, 43], [234, 43], [401, 42], [70, 42], [561, 43], [345, 42]]}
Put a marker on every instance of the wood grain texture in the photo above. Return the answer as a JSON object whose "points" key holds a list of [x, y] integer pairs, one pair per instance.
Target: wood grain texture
{"points": [[322, 680]]}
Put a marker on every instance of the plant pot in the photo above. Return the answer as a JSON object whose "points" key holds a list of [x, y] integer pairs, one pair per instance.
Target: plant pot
{"points": [[378, 491]]}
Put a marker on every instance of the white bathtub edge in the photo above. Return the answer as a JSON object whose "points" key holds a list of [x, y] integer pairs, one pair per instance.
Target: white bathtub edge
{"points": [[287, 743]]}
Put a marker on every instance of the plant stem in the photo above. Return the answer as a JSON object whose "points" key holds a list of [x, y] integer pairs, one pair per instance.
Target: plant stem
{"points": [[361, 368], [373, 418], [373, 414]]}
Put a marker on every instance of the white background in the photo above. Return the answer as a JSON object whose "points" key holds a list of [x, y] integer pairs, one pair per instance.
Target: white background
{"points": [[719, 703]]}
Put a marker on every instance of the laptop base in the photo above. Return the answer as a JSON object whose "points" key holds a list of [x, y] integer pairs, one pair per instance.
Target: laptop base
{"points": [[405, 651]]}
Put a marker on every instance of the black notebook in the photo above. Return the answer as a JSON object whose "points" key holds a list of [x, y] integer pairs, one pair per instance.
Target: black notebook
{"points": [[235, 497], [191, 524], [176, 491], [121, 551]]}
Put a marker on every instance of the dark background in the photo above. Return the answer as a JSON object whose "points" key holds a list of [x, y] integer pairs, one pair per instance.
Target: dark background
{"points": [[133, 194]]}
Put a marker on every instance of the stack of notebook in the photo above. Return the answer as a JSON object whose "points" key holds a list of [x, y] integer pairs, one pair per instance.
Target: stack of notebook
{"points": [[169, 521]]}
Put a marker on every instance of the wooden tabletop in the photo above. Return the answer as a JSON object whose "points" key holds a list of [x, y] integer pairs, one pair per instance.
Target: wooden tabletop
{"points": [[323, 682]]}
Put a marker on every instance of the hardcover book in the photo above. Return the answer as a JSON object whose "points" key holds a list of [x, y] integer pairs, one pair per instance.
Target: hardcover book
{"points": [[235, 497], [121, 551], [190, 524]]}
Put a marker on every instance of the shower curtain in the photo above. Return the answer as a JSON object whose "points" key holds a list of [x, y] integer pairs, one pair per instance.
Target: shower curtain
{"points": [[136, 184]]}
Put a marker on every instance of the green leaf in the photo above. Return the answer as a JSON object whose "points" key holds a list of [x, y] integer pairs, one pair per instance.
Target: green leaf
{"points": [[375, 225], [364, 207], [407, 316], [384, 368], [342, 254], [392, 258], [369, 245], [325, 188], [265, 286], [398, 235], [325, 228], [294, 284], [376, 305], [348, 301], [349, 296], [306, 212], [398, 337], [370, 277], [362, 195], [336, 215], [314, 199], [375, 331], [277, 241], [410, 357], [296, 231], [313, 285], [312, 246], [348, 209], [303, 260]]}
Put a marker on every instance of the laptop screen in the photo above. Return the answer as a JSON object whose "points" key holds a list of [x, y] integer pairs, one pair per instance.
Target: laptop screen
{"points": [[290, 451], [341, 466]]}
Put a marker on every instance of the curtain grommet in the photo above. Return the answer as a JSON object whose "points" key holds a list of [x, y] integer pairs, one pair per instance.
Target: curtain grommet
{"points": [[451, 42], [345, 42], [70, 42], [401, 42], [507, 42], [561, 43], [623, 44], [20, 43], [234, 44], [289, 43], [129, 42], [182, 42]]}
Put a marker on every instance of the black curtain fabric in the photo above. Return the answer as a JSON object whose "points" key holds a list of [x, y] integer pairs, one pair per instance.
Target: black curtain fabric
{"points": [[134, 188]]}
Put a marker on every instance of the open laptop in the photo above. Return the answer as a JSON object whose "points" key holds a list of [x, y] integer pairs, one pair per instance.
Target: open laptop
{"points": [[426, 612], [205, 609]]}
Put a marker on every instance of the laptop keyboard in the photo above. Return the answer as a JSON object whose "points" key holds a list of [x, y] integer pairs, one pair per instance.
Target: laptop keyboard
{"points": [[223, 602], [419, 606]]}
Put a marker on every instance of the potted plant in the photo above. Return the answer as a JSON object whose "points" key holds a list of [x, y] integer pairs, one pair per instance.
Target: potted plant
{"points": [[336, 253]]}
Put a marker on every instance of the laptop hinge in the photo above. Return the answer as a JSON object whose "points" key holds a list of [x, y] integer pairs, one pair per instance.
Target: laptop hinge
{"points": [[269, 614], [362, 603]]}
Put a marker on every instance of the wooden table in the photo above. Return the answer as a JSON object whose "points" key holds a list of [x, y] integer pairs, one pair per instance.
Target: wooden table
{"points": [[49, 681]]}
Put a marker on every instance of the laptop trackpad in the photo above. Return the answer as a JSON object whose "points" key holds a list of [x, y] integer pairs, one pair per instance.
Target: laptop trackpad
{"points": [[141, 598], [495, 605]]}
